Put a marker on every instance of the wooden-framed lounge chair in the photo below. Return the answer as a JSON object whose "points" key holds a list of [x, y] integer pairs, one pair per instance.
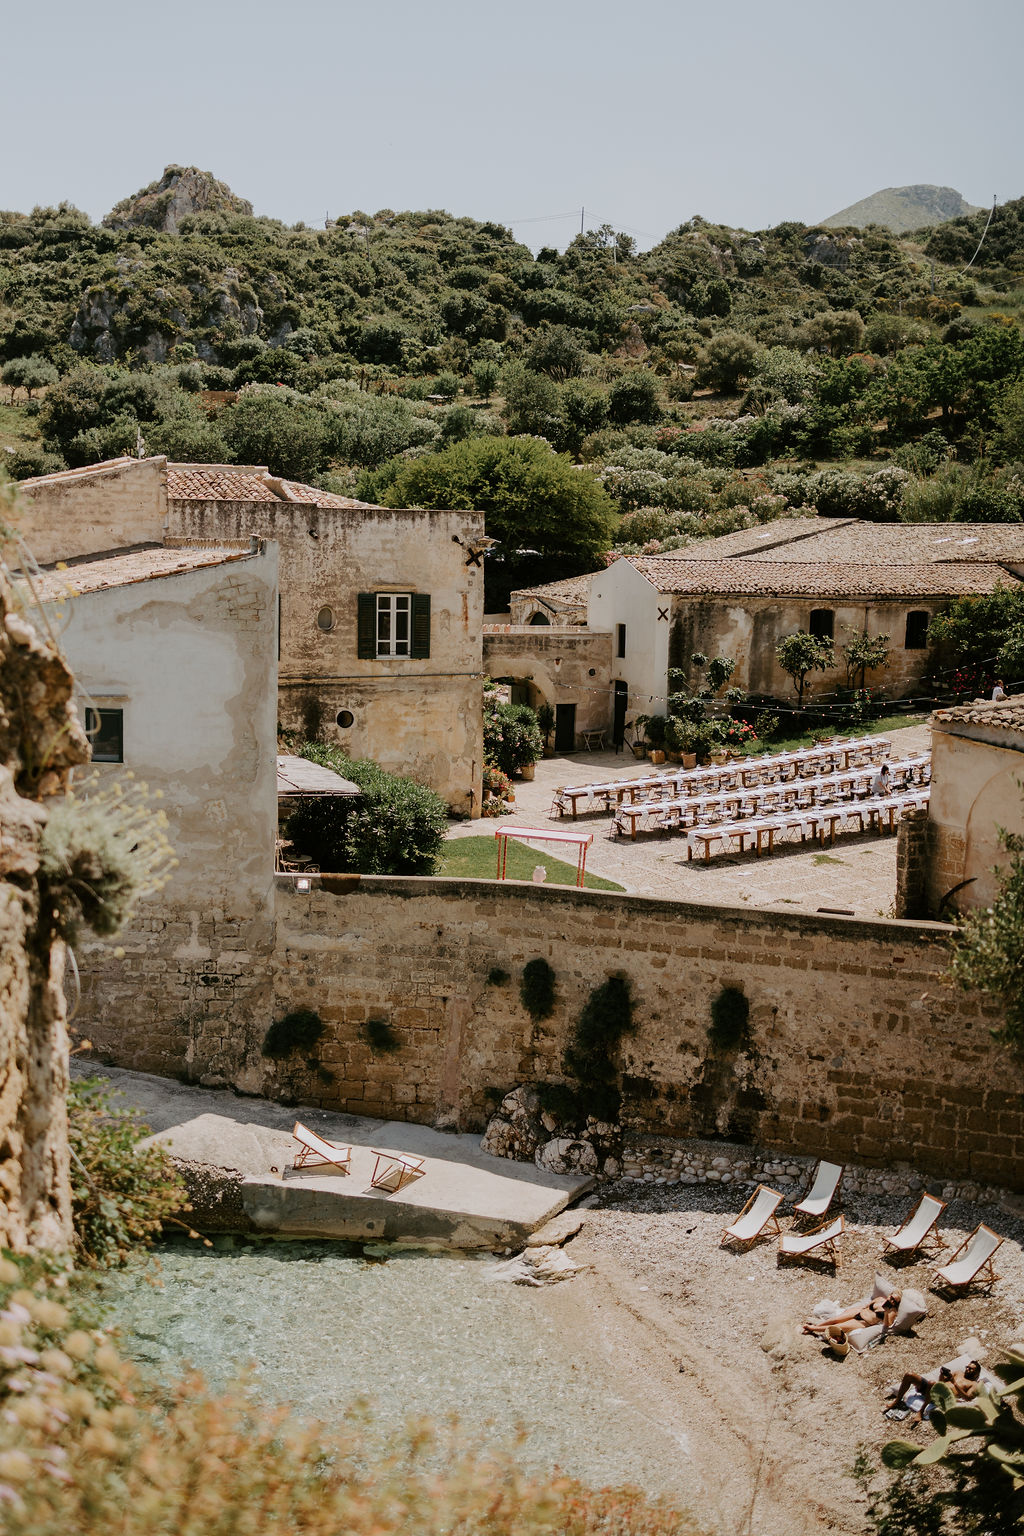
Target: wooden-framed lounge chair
{"points": [[971, 1264], [919, 1230], [800, 1245], [392, 1170], [315, 1151], [757, 1216], [823, 1190]]}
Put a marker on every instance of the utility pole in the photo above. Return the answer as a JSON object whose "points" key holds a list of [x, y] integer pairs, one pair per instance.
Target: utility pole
{"points": [[581, 220]]}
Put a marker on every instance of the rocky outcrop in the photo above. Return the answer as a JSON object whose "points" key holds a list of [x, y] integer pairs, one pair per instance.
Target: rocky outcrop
{"points": [[40, 740], [903, 208], [181, 191], [129, 312], [522, 1130]]}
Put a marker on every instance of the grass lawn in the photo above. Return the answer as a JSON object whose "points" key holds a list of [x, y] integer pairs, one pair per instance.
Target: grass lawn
{"points": [[476, 858], [895, 722]]}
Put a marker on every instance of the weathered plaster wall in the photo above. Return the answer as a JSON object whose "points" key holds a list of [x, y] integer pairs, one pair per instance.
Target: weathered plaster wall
{"points": [[858, 1048], [977, 787], [564, 666], [40, 740], [418, 717], [620, 595], [749, 628], [191, 660], [95, 510]]}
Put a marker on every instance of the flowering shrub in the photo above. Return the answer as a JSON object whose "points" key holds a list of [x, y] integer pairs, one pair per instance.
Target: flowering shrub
{"points": [[740, 733], [86, 1446]]}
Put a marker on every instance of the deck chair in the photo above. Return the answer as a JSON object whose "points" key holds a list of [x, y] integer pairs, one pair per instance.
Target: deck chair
{"points": [[394, 1169], [918, 1231], [971, 1264], [798, 1245], [823, 1190], [757, 1215], [314, 1151]]}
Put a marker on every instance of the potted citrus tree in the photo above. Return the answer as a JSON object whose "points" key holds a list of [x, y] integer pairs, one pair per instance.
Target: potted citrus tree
{"points": [[655, 729]]}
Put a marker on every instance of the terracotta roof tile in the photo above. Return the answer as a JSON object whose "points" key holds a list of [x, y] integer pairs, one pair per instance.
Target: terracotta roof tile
{"points": [[1007, 716], [220, 482], [904, 543], [125, 569], [778, 578], [573, 590]]}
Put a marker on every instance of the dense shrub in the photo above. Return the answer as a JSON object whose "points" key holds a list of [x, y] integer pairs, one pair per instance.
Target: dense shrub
{"points": [[120, 1194], [398, 827], [512, 736]]}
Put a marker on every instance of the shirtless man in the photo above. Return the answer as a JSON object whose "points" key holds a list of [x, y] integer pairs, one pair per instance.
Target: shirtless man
{"points": [[964, 1385]]}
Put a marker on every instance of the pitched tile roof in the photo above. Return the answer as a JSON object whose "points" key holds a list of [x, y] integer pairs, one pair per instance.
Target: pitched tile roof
{"points": [[779, 578], [1007, 716], [125, 568], [227, 482], [573, 590], [785, 531], [904, 543]]}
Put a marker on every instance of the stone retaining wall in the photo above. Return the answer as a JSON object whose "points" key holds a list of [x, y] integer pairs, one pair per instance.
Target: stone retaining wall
{"points": [[857, 1048]]}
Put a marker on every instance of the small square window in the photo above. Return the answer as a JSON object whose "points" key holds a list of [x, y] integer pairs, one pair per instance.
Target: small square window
{"points": [[105, 730], [917, 630], [822, 623]]}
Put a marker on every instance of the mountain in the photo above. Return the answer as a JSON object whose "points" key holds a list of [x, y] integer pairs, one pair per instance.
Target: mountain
{"points": [[903, 208], [181, 190]]}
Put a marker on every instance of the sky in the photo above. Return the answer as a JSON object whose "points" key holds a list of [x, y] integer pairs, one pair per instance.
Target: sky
{"points": [[639, 114]]}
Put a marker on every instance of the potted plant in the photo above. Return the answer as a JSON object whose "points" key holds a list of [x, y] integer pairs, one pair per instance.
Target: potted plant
{"points": [[676, 738], [639, 742], [654, 727], [546, 721]]}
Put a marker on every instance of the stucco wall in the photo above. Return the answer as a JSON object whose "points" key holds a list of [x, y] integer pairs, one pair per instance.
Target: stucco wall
{"points": [[749, 629], [418, 717], [620, 595], [95, 510], [564, 666], [977, 787], [858, 1049], [191, 660]]}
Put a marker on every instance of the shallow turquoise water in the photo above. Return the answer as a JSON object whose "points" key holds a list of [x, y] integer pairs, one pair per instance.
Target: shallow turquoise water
{"points": [[415, 1333]]}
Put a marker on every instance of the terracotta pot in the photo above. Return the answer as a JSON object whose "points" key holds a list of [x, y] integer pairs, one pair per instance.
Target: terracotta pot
{"points": [[526, 771], [688, 759], [656, 755]]}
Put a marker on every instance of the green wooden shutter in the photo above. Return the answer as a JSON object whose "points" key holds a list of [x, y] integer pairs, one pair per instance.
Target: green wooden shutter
{"points": [[366, 642], [420, 625]]}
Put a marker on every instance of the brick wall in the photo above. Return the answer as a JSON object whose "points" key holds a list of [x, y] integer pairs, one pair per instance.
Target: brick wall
{"points": [[858, 1048]]}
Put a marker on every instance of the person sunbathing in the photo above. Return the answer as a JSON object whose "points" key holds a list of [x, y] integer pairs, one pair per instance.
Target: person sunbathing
{"points": [[964, 1385], [882, 1309]]}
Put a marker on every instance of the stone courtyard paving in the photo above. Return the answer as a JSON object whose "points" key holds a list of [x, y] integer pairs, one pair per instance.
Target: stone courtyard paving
{"points": [[857, 874]]}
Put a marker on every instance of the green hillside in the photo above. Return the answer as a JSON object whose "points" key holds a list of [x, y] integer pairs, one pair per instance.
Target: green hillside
{"points": [[722, 378], [903, 209]]}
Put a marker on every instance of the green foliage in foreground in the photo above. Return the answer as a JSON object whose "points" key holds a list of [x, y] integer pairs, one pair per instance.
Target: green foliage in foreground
{"points": [[981, 1443], [120, 1194], [88, 1446], [397, 828], [476, 858], [512, 736], [990, 954]]}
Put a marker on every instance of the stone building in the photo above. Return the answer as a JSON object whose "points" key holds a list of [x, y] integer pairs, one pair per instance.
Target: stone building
{"points": [[174, 654], [977, 788], [739, 594], [381, 609], [568, 667], [662, 609]]}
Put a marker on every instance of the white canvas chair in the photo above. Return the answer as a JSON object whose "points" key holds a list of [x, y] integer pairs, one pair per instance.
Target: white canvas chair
{"points": [[798, 1245], [315, 1151], [971, 1264], [756, 1216], [918, 1231], [392, 1170], [823, 1190]]}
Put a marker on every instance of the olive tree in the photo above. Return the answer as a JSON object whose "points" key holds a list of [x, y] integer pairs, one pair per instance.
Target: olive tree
{"points": [[801, 654]]}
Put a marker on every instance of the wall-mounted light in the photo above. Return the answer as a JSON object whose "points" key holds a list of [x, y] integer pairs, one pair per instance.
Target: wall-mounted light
{"points": [[302, 884]]}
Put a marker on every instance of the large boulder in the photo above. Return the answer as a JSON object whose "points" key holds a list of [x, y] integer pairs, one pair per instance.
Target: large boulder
{"points": [[516, 1130]]}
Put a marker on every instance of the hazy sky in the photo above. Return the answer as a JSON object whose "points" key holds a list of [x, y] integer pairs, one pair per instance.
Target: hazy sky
{"points": [[644, 113]]}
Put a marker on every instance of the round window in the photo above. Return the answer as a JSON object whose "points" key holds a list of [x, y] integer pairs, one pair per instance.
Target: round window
{"points": [[325, 619], [346, 718]]}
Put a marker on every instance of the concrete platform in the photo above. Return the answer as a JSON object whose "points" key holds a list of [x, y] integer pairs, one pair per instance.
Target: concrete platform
{"points": [[237, 1154]]}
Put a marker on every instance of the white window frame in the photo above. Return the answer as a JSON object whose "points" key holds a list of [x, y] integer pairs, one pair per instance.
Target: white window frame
{"points": [[396, 608]]}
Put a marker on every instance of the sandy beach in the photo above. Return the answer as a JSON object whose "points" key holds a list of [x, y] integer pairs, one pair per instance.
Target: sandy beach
{"points": [[760, 1423]]}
